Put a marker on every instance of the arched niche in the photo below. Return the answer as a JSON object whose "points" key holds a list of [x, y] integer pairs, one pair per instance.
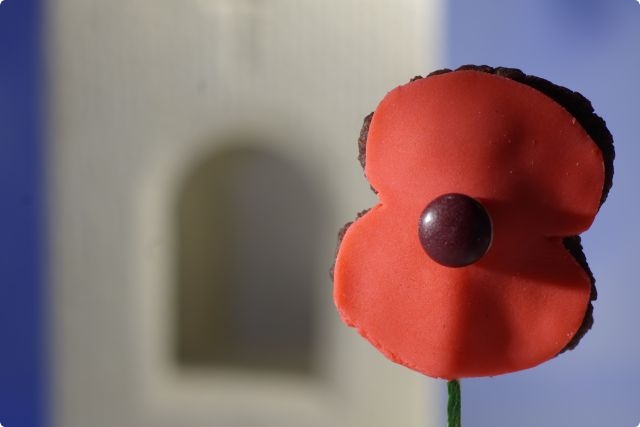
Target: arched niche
{"points": [[247, 224]]}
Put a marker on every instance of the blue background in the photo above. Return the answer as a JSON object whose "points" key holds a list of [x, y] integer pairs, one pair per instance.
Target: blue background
{"points": [[593, 47], [22, 376]]}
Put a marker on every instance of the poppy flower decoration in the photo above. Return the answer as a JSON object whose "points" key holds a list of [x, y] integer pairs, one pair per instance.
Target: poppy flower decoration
{"points": [[471, 264]]}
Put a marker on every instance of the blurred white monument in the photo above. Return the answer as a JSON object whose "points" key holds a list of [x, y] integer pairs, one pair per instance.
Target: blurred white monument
{"points": [[201, 142]]}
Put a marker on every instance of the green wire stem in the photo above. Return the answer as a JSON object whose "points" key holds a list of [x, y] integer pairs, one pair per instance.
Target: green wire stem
{"points": [[454, 404]]}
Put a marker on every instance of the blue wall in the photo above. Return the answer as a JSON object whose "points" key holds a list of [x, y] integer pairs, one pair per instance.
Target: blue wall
{"points": [[592, 46], [21, 229]]}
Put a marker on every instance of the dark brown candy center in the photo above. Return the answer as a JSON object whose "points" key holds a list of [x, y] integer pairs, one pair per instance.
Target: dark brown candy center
{"points": [[455, 230]]}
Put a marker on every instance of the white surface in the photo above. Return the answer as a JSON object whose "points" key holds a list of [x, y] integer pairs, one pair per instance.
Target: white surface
{"points": [[139, 90]]}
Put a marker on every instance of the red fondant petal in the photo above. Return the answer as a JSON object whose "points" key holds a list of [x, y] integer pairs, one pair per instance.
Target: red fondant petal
{"points": [[512, 310], [490, 138], [540, 177]]}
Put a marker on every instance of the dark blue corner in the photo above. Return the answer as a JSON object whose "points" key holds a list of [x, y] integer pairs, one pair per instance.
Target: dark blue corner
{"points": [[22, 338]]}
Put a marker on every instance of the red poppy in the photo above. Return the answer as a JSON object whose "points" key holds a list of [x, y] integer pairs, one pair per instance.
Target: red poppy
{"points": [[540, 176]]}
